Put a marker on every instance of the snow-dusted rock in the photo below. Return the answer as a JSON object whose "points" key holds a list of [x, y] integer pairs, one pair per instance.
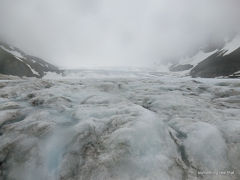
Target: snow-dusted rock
{"points": [[222, 62], [15, 62]]}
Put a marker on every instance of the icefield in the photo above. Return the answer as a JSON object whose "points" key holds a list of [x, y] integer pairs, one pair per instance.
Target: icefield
{"points": [[120, 126]]}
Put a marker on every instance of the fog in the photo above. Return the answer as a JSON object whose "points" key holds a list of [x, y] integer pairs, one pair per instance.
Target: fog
{"points": [[87, 33]]}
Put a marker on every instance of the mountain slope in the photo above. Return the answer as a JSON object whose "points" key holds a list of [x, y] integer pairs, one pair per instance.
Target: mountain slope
{"points": [[15, 62], [218, 65], [224, 62]]}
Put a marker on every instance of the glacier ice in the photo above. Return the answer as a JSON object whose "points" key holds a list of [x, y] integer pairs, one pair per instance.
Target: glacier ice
{"points": [[145, 126]]}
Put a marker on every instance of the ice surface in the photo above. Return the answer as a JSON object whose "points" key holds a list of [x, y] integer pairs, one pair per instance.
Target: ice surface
{"points": [[106, 125]]}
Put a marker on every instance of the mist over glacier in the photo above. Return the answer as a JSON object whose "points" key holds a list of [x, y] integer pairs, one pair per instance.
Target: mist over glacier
{"points": [[74, 34]]}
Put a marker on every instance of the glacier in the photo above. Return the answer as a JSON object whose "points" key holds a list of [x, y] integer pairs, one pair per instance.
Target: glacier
{"points": [[106, 125]]}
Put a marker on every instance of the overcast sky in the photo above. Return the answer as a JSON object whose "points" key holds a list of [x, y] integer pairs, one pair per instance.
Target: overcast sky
{"points": [[76, 33]]}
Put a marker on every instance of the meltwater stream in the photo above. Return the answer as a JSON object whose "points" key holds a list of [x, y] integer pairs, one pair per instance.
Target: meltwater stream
{"points": [[106, 126]]}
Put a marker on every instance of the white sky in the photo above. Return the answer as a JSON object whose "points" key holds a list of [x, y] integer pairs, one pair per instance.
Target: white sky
{"points": [[76, 33]]}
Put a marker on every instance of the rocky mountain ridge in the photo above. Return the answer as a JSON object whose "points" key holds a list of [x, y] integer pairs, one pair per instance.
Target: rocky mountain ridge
{"points": [[14, 61], [223, 62]]}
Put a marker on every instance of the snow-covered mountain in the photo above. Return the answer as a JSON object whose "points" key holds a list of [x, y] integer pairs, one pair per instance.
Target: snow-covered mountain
{"points": [[224, 62], [15, 62]]}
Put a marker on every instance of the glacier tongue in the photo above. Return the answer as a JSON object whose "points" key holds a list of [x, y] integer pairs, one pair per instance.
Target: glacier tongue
{"points": [[143, 127]]}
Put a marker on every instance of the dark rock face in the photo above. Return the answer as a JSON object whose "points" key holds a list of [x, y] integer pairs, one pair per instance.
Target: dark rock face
{"points": [[218, 65], [11, 66], [15, 62], [177, 68]]}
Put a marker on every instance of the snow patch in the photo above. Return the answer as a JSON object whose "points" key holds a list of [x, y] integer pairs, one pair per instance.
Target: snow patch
{"points": [[33, 71], [13, 52], [232, 46], [199, 57]]}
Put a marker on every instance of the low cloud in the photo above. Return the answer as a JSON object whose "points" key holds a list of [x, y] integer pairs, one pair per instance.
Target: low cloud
{"points": [[76, 33]]}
